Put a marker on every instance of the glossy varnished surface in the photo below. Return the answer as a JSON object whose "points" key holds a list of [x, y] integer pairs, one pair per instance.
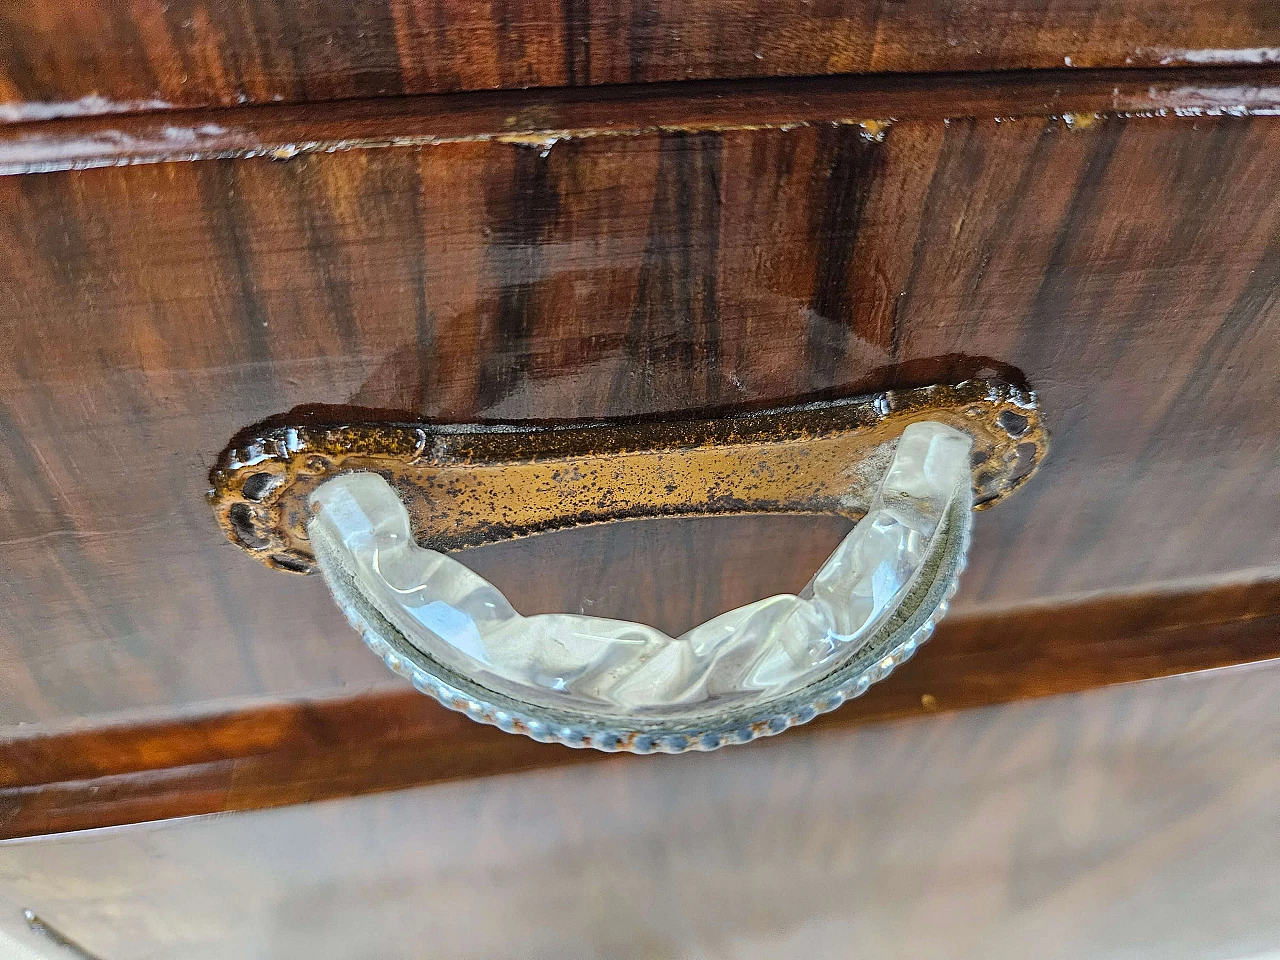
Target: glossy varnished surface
{"points": [[542, 118], [302, 751], [1126, 266], [63, 57], [1137, 822]]}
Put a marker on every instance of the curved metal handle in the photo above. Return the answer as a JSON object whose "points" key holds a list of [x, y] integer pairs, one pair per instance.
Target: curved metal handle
{"points": [[617, 685], [471, 484]]}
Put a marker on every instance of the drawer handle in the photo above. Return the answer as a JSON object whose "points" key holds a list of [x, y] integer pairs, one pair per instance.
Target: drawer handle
{"points": [[615, 684], [374, 506]]}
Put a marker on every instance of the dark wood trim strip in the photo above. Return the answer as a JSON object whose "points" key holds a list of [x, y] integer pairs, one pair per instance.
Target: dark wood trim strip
{"points": [[539, 118], [298, 752], [76, 57]]}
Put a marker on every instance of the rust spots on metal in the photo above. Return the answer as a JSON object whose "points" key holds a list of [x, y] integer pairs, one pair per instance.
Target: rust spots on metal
{"points": [[470, 485]]}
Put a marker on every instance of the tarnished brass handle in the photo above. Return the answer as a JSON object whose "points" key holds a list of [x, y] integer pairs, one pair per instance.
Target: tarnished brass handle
{"points": [[475, 484], [616, 685]]}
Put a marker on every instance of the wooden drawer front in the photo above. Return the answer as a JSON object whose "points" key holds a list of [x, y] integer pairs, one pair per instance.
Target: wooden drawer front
{"points": [[91, 56], [1127, 266], [1002, 834]]}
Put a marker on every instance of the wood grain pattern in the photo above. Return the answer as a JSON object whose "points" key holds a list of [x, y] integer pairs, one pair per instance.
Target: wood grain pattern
{"points": [[62, 58], [306, 751], [1136, 822], [1127, 266]]}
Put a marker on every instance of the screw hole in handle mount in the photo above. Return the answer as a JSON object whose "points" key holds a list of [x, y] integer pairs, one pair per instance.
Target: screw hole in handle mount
{"points": [[617, 685]]}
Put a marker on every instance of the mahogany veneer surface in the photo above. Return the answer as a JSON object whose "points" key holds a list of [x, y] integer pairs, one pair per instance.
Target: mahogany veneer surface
{"points": [[1126, 264], [1135, 822], [308, 750], [61, 57]]}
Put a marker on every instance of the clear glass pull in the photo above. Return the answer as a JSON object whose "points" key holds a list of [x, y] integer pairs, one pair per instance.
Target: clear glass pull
{"points": [[614, 684]]}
